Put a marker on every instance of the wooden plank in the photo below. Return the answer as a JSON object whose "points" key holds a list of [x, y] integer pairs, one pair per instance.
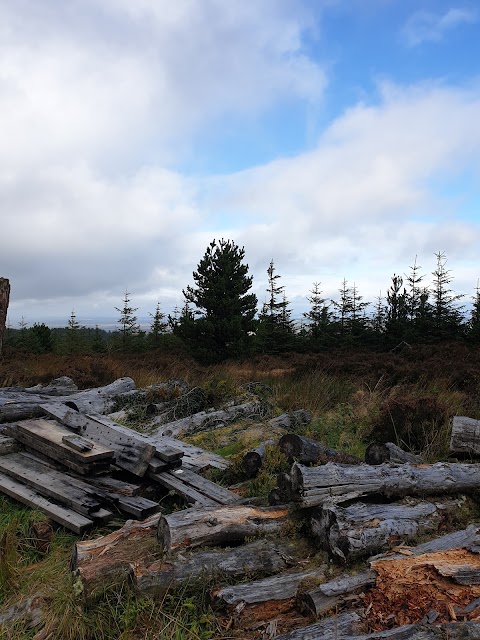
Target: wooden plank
{"points": [[52, 454], [78, 443], [52, 433], [50, 483], [207, 487], [190, 494], [169, 454], [66, 517], [132, 453], [113, 485], [137, 506]]}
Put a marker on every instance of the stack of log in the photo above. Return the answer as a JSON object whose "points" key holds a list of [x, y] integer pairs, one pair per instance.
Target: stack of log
{"points": [[59, 454]]}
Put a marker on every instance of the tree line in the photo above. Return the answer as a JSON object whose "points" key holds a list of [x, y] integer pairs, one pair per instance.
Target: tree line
{"points": [[220, 318]]}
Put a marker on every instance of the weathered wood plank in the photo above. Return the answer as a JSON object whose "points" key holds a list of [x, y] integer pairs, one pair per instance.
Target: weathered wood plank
{"points": [[131, 452], [66, 517], [136, 505], [342, 627], [218, 525], [207, 487], [51, 483], [172, 483], [329, 595]]}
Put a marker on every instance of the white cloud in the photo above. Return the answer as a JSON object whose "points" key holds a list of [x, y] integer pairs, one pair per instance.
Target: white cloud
{"points": [[424, 26]]}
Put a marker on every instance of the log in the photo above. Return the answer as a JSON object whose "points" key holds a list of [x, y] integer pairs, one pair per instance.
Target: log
{"points": [[58, 387], [255, 558], [8, 445], [106, 561], [308, 451], [364, 529], [253, 459], [331, 595], [334, 482], [342, 627], [4, 300], [298, 418], [132, 453], [465, 436], [280, 587], [11, 411], [205, 420], [213, 526], [379, 453], [29, 611]]}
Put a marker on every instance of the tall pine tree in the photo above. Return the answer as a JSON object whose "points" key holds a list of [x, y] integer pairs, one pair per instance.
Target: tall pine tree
{"points": [[223, 322]]}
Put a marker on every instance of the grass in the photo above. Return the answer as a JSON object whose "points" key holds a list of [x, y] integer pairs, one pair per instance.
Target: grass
{"points": [[355, 398]]}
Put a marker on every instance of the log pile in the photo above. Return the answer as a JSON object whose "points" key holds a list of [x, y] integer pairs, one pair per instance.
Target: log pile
{"points": [[60, 454], [81, 467]]}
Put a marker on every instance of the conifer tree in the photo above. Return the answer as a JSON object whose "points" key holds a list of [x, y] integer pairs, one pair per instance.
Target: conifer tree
{"points": [[129, 328], [158, 326], [474, 320], [221, 325], [72, 337], [343, 310], [447, 316], [397, 311], [276, 331], [318, 317]]}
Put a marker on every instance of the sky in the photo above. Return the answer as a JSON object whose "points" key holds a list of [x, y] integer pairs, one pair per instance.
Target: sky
{"points": [[338, 138]]}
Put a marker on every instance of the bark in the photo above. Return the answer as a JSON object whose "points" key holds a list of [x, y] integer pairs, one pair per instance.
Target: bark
{"points": [[334, 482], [106, 561], [252, 460], [465, 436], [213, 526], [364, 529], [280, 587], [256, 558], [4, 300], [389, 452], [307, 451], [205, 420], [331, 595], [342, 627]]}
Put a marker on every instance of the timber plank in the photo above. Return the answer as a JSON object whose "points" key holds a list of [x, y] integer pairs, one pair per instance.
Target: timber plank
{"points": [[191, 495], [50, 483], [52, 433], [207, 487], [132, 453], [66, 517]]}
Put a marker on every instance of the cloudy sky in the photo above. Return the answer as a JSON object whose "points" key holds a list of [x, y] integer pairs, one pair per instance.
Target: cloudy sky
{"points": [[340, 138]]}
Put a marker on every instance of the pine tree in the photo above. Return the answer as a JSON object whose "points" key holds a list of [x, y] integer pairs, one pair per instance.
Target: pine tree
{"points": [[276, 330], [158, 326], [225, 309], [318, 317], [397, 311], [128, 322], [72, 336], [343, 310], [474, 321], [447, 316], [99, 344]]}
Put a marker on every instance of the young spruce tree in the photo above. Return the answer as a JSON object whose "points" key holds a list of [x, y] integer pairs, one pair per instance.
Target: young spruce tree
{"points": [[223, 322]]}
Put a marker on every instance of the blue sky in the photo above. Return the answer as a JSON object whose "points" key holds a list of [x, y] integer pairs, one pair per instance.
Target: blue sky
{"points": [[339, 137]]}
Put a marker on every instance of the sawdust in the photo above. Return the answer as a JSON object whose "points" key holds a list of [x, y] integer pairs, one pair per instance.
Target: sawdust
{"points": [[410, 589]]}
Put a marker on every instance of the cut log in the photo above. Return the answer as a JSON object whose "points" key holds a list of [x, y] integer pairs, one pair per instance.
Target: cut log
{"points": [[132, 453], [465, 436], [342, 627], [256, 558], [389, 452], [205, 420], [328, 596], [11, 411], [66, 517], [463, 539], [280, 587], [218, 526], [364, 529], [106, 561], [334, 482], [252, 460], [308, 451]]}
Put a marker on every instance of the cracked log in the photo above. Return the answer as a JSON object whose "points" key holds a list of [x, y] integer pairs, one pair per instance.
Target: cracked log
{"points": [[256, 558], [308, 451], [213, 526], [465, 436], [389, 452], [334, 482], [364, 529]]}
